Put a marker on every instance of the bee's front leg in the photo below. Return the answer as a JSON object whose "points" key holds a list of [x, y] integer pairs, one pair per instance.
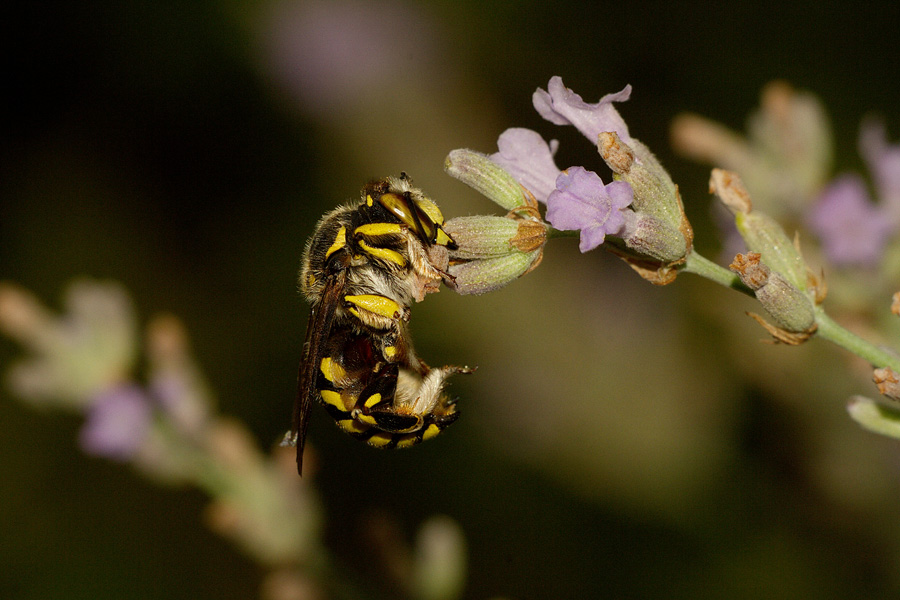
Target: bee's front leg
{"points": [[385, 316]]}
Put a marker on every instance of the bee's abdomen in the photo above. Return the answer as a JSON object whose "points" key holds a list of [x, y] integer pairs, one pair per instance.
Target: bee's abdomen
{"points": [[375, 436], [357, 390]]}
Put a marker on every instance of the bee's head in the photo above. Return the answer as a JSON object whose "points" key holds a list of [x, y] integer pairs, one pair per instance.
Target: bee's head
{"points": [[412, 207]]}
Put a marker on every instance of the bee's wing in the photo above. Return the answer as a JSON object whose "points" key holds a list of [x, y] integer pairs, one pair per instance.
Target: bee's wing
{"points": [[317, 333]]}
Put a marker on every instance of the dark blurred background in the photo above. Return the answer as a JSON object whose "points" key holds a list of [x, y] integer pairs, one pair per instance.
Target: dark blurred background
{"points": [[617, 440]]}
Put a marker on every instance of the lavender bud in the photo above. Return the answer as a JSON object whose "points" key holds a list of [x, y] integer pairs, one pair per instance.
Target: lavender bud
{"points": [[485, 176], [790, 308], [493, 251]]}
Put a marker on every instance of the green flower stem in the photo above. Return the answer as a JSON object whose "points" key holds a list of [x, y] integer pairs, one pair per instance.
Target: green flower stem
{"points": [[553, 233], [828, 328], [699, 265], [833, 332]]}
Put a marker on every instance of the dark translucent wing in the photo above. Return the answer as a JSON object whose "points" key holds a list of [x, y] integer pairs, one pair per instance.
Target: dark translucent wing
{"points": [[317, 332]]}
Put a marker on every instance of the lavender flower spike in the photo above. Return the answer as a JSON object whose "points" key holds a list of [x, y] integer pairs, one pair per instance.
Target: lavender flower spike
{"points": [[529, 159], [582, 202], [562, 106]]}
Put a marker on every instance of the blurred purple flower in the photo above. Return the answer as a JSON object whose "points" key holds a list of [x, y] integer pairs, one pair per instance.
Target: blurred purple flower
{"points": [[852, 229], [331, 54], [562, 106], [529, 159], [582, 202], [117, 423], [884, 163]]}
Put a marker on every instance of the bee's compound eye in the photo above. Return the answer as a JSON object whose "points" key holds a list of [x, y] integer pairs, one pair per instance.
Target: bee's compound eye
{"points": [[406, 209]]}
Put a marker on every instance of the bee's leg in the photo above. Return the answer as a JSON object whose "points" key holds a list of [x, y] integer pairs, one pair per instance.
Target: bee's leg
{"points": [[384, 241], [375, 404], [393, 347], [388, 318], [377, 312]]}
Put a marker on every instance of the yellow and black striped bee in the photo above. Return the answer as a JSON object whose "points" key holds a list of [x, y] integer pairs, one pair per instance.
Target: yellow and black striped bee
{"points": [[362, 269]]}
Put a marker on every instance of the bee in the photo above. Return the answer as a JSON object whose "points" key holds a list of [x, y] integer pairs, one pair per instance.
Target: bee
{"points": [[362, 268]]}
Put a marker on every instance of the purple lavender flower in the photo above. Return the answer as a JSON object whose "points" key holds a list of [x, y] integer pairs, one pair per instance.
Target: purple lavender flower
{"points": [[852, 229], [562, 106], [529, 159], [884, 163], [582, 202], [117, 423]]}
